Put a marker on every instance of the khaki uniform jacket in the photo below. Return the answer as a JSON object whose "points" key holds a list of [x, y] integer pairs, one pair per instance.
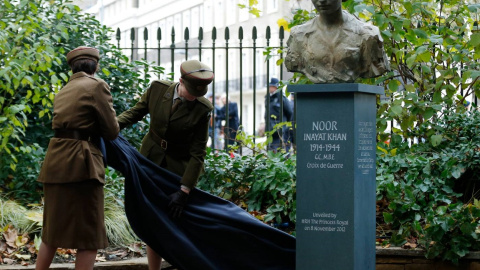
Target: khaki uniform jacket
{"points": [[83, 103], [186, 131]]}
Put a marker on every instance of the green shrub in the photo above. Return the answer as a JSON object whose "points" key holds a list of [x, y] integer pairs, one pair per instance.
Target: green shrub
{"points": [[22, 184], [431, 187], [262, 182]]}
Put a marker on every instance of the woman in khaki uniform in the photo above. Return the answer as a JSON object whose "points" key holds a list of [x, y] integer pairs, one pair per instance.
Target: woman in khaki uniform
{"points": [[178, 134], [73, 171]]}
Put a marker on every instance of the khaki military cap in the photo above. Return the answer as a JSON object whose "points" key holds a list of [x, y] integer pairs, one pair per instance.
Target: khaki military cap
{"points": [[83, 52], [196, 77]]}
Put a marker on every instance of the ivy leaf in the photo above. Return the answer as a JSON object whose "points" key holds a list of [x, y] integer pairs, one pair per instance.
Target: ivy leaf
{"points": [[397, 110], [429, 112], [437, 97], [388, 217], [475, 39], [436, 139], [441, 210]]}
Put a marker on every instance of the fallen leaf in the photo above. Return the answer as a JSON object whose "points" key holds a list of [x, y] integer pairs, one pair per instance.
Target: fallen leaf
{"points": [[3, 246], [123, 254], [409, 245], [32, 249], [8, 261], [21, 240], [25, 263], [23, 257], [100, 259], [136, 248], [10, 236], [10, 250], [64, 251]]}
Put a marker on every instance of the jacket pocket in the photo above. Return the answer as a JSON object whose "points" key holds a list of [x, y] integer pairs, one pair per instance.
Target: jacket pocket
{"points": [[94, 162]]}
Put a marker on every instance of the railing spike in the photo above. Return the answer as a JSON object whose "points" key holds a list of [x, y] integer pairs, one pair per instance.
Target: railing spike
{"points": [[240, 33], [200, 33], [214, 33], [186, 34]]}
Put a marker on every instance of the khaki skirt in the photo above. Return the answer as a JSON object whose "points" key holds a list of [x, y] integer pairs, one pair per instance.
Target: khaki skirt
{"points": [[73, 215]]}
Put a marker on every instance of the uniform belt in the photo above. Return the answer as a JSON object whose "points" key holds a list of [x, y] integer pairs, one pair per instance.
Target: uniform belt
{"points": [[159, 140], [173, 148], [77, 134]]}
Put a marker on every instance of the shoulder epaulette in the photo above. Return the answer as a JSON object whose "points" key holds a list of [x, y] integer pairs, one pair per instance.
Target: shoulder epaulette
{"points": [[205, 102], [94, 78], [164, 82]]}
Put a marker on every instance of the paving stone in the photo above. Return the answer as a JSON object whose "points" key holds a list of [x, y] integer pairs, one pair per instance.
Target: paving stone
{"points": [[132, 264]]}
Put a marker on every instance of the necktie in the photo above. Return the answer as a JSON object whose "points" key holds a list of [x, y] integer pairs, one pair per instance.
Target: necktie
{"points": [[177, 103]]}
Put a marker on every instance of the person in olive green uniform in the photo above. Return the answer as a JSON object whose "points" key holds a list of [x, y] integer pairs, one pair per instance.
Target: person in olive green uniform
{"points": [[178, 134], [73, 170]]}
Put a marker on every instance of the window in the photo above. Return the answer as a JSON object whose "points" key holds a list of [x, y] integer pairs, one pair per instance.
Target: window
{"points": [[243, 12], [194, 22], [187, 22], [177, 24], [272, 6], [208, 19], [219, 14], [232, 9], [152, 35]]}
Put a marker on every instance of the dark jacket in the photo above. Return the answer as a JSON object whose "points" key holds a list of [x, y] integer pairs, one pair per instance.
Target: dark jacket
{"points": [[276, 111], [233, 122], [185, 133]]}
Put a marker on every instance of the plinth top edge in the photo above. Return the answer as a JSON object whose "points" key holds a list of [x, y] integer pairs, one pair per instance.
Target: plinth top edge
{"points": [[335, 87]]}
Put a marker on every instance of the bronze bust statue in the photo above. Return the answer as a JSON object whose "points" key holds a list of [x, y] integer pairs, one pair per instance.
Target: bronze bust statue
{"points": [[335, 46]]}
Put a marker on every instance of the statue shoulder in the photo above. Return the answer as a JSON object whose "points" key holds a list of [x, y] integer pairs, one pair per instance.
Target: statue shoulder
{"points": [[359, 27]]}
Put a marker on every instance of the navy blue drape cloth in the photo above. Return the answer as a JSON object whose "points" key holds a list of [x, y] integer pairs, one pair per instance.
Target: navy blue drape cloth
{"points": [[212, 233]]}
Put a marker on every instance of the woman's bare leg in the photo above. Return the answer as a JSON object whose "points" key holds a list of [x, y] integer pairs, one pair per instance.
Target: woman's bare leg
{"points": [[45, 256], [154, 260], [85, 259]]}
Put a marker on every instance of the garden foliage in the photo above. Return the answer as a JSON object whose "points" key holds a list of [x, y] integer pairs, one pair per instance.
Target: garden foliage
{"points": [[34, 39], [427, 157]]}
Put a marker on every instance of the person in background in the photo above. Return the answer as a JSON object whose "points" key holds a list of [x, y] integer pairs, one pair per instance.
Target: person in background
{"points": [[280, 110], [215, 126], [233, 123], [178, 133], [73, 172]]}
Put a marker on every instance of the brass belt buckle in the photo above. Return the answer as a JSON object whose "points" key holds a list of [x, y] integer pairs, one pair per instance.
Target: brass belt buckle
{"points": [[163, 144]]}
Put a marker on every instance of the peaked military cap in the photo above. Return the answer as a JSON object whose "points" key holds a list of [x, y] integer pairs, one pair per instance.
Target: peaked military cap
{"points": [[83, 52], [273, 82], [196, 77]]}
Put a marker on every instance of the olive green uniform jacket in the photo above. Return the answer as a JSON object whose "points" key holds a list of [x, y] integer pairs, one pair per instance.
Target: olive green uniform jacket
{"points": [[185, 132], [84, 103]]}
